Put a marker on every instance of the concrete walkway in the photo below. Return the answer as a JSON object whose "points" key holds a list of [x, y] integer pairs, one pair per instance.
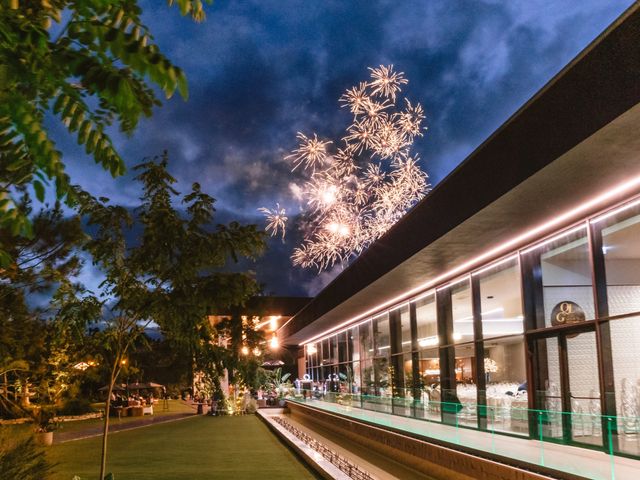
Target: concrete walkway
{"points": [[584, 462], [379, 467], [114, 427]]}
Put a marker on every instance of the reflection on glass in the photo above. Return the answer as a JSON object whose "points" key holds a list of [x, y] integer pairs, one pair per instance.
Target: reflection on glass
{"points": [[325, 352], [501, 300], [566, 276], [342, 347], [427, 322], [429, 383], [382, 377], [312, 355], [506, 388], [405, 329], [466, 391], [333, 342], [381, 335], [356, 382], [368, 380], [621, 249], [353, 341], [402, 381], [626, 373], [549, 395], [462, 312], [366, 340], [584, 389]]}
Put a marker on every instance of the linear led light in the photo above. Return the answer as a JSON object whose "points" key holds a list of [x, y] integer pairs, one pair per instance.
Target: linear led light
{"points": [[495, 264], [615, 211], [501, 248], [430, 293], [555, 238], [457, 281]]}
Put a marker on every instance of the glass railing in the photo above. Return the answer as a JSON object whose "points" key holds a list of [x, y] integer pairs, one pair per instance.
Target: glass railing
{"points": [[491, 427]]}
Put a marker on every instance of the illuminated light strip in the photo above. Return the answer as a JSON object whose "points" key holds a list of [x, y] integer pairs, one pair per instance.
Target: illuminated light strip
{"points": [[491, 253], [465, 278], [496, 264], [430, 293], [615, 211], [555, 238]]}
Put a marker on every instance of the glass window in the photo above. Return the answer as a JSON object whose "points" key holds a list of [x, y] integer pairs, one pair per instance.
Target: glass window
{"points": [[501, 300], [312, 355], [368, 382], [326, 352], [333, 343], [625, 333], [382, 339], [548, 396], [402, 380], [382, 377], [462, 312], [466, 379], [426, 321], [354, 344], [366, 340], [355, 370], [566, 278], [621, 248], [342, 347], [429, 383], [506, 387], [402, 376], [405, 329]]}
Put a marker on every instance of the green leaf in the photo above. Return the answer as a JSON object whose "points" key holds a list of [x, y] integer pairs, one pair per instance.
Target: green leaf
{"points": [[39, 189]]}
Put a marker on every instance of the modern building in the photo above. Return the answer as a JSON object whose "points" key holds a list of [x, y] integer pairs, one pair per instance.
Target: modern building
{"points": [[508, 300]]}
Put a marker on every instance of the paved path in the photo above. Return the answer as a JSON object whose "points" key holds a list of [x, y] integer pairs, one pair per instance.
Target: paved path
{"points": [[96, 430]]}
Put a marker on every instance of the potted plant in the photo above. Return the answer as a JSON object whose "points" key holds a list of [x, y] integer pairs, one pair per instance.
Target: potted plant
{"points": [[281, 385], [45, 425]]}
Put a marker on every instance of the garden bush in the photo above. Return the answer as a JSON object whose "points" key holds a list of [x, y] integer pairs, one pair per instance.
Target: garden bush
{"points": [[21, 458], [76, 406]]}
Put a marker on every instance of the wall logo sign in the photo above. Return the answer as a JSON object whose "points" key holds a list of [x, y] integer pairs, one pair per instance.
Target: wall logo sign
{"points": [[567, 313]]}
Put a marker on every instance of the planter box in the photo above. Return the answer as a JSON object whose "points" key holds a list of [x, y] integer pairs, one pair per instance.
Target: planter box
{"points": [[44, 439]]}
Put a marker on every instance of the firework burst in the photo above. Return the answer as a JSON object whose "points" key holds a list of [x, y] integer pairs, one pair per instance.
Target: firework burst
{"points": [[276, 220], [311, 152], [355, 192]]}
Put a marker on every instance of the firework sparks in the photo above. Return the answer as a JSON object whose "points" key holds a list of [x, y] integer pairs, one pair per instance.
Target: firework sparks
{"points": [[311, 153], [386, 82], [276, 220], [353, 194]]}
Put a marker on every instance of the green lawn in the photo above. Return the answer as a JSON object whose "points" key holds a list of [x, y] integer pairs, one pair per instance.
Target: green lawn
{"points": [[201, 447]]}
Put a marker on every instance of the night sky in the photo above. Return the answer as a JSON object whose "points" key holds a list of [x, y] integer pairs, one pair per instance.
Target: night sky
{"points": [[261, 70]]}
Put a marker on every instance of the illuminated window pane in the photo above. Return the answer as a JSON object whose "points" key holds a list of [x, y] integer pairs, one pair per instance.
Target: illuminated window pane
{"points": [[501, 300]]}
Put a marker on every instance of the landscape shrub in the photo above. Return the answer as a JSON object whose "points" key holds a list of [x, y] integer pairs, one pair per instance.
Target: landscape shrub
{"points": [[76, 406], [21, 458]]}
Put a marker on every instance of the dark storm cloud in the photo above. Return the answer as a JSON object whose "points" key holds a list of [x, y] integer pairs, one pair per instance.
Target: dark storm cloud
{"points": [[260, 71]]}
